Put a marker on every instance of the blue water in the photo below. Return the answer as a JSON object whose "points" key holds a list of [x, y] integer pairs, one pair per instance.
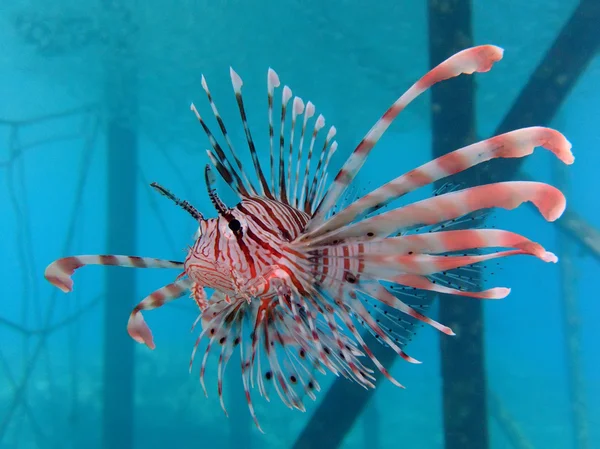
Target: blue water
{"points": [[352, 59]]}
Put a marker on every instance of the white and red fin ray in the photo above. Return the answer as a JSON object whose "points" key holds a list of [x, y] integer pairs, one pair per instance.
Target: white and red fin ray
{"points": [[398, 326], [274, 341], [237, 83], [137, 327], [237, 160], [475, 59], [59, 272], [347, 282], [406, 260], [549, 201], [221, 323], [272, 349], [337, 295], [309, 111], [324, 176], [346, 354], [224, 166], [351, 309], [337, 347], [281, 186], [247, 357], [286, 95], [433, 243], [297, 109], [464, 278], [299, 375], [295, 379], [225, 174], [358, 267], [319, 124], [385, 299], [232, 340], [468, 277], [514, 144], [351, 305], [473, 220], [331, 346], [272, 83], [312, 192], [358, 311], [349, 196]]}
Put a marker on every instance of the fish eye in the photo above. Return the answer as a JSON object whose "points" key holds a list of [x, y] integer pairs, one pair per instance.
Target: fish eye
{"points": [[235, 225]]}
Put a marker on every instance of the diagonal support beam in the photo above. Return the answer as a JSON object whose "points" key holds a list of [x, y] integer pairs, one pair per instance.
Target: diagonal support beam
{"points": [[548, 87], [555, 76], [341, 406]]}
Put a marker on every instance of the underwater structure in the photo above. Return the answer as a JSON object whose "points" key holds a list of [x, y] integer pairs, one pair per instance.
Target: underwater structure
{"points": [[449, 31]]}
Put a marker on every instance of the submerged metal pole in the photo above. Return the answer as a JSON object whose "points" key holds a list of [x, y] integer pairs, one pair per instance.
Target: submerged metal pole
{"points": [[464, 385], [121, 140]]}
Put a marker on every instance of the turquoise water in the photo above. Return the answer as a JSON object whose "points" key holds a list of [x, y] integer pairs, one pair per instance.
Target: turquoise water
{"points": [[62, 63]]}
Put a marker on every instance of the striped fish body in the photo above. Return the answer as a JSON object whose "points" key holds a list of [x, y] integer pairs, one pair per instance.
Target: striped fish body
{"points": [[295, 283], [240, 260]]}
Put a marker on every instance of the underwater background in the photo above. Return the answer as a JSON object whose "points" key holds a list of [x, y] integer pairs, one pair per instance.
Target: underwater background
{"points": [[94, 105]]}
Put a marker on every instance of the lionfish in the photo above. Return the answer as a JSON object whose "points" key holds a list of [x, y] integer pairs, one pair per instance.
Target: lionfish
{"points": [[295, 277]]}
